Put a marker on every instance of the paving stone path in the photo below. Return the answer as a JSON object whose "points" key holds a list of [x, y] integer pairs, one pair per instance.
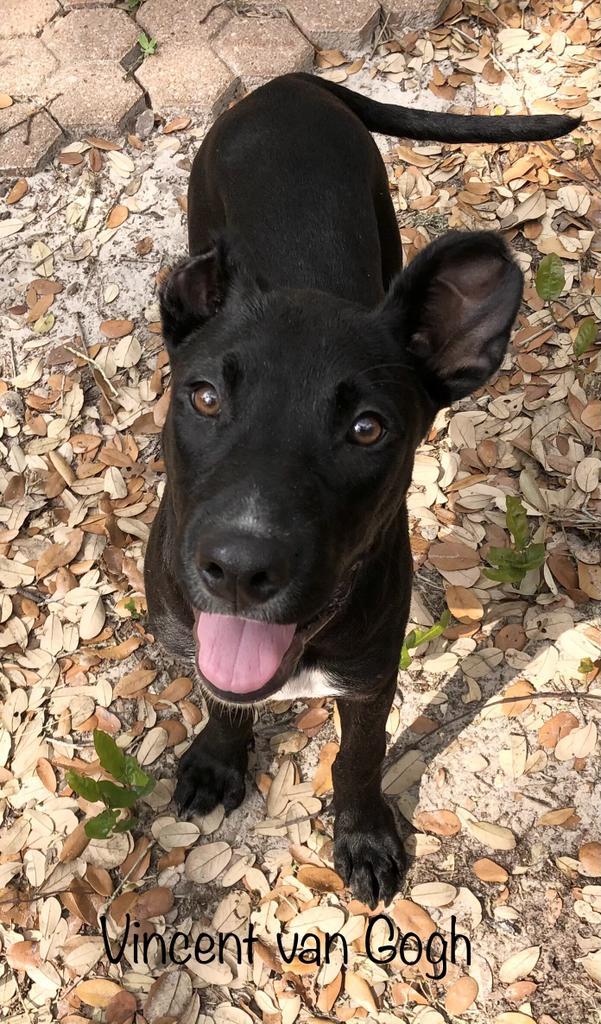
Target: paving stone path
{"points": [[68, 67]]}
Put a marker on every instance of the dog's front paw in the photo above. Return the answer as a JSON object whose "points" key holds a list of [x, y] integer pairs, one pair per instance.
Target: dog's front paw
{"points": [[368, 855], [205, 780]]}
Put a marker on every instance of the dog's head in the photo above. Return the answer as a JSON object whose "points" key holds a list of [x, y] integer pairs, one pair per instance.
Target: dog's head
{"points": [[291, 434]]}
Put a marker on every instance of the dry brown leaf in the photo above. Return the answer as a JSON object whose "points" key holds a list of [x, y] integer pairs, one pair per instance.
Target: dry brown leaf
{"points": [[105, 144], [463, 604], [322, 779], [489, 871], [592, 965], [577, 743], [513, 1017], [205, 863], [520, 991], [441, 823], [589, 580], [589, 856], [176, 690], [23, 955], [18, 190], [451, 556], [359, 992], [121, 1008], [116, 328], [322, 879], [57, 555], [176, 125], [433, 894], [557, 817], [520, 689], [556, 728], [591, 415], [411, 918], [461, 995], [100, 880], [133, 682], [168, 997], [403, 993], [519, 965], [497, 837], [97, 992], [74, 844], [45, 773], [117, 216], [154, 902]]}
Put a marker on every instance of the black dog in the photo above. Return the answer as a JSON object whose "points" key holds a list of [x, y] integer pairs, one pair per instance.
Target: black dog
{"points": [[306, 368]]}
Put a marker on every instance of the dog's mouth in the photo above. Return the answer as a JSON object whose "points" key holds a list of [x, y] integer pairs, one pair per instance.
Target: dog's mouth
{"points": [[245, 660]]}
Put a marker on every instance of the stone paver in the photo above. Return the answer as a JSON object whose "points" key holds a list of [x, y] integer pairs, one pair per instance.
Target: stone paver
{"points": [[87, 35], [24, 63], [71, 55], [72, 5], [19, 18], [257, 49], [26, 143], [181, 21], [184, 79], [336, 24], [95, 96], [410, 14]]}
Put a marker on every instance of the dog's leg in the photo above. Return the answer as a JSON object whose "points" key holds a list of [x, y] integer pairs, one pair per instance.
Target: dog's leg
{"points": [[213, 769], [368, 853]]}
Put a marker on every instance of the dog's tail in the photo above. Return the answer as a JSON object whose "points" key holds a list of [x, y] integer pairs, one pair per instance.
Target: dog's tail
{"points": [[432, 126]]}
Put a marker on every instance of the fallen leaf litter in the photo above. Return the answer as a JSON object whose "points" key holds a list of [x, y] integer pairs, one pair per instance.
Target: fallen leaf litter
{"points": [[493, 752]]}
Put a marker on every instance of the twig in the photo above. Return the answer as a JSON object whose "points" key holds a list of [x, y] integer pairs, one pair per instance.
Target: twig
{"points": [[126, 877], [544, 695], [94, 364], [560, 319], [573, 170], [578, 14], [496, 60], [379, 35]]}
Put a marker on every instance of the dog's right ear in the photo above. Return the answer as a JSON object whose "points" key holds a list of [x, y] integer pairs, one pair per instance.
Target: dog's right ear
{"points": [[193, 293]]}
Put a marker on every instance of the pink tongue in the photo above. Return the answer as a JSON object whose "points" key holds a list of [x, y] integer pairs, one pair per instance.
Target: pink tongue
{"points": [[240, 655]]}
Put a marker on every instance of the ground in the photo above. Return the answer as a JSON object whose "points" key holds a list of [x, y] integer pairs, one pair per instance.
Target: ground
{"points": [[497, 802]]}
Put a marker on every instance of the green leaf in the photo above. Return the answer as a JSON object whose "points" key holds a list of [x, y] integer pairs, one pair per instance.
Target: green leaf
{"points": [[531, 558], [136, 777], [550, 277], [126, 825], [102, 825], [111, 756], [148, 46], [586, 665], [586, 337], [500, 556], [506, 574], [417, 637], [511, 566], [423, 636], [116, 796], [87, 788], [517, 521]]}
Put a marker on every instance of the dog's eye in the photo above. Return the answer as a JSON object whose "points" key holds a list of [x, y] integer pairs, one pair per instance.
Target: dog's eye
{"points": [[367, 429], [206, 400]]}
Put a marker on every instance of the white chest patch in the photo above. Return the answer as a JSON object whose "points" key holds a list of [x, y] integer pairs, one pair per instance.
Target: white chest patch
{"points": [[307, 684]]}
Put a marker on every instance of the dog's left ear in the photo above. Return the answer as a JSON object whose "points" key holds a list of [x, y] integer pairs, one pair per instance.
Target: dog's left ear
{"points": [[193, 292], [454, 306]]}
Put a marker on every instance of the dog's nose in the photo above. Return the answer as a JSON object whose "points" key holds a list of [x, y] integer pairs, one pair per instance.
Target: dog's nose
{"points": [[242, 569]]}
